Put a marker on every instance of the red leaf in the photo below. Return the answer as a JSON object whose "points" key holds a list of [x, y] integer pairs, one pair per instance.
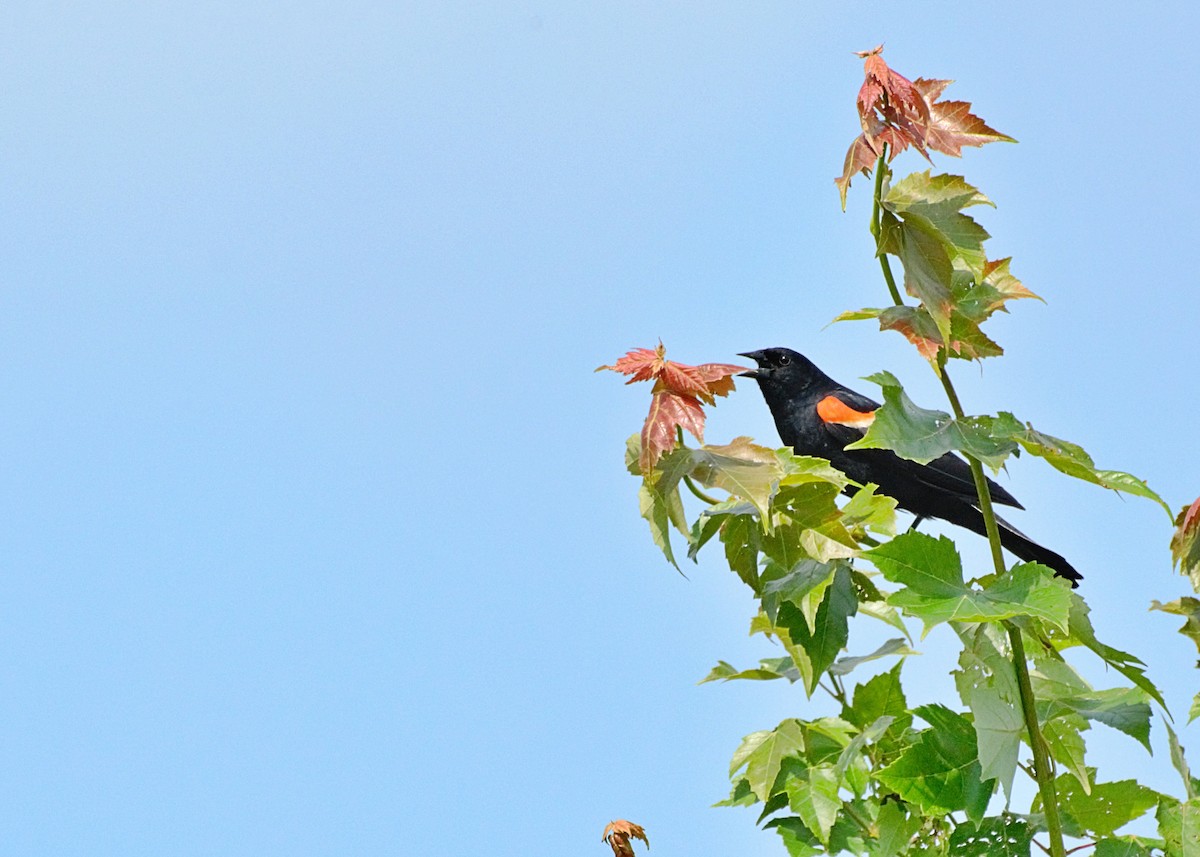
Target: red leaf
{"points": [[952, 125], [898, 112], [668, 411], [618, 833], [860, 159], [642, 363], [1185, 542], [916, 325], [678, 392]]}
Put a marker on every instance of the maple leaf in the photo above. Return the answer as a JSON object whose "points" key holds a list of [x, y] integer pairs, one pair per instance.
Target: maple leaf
{"points": [[952, 125], [897, 113], [618, 833], [679, 390], [1185, 542]]}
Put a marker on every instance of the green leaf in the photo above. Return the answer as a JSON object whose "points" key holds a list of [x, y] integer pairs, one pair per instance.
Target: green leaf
{"points": [[1060, 690], [875, 512], [813, 795], [806, 576], [987, 684], [1187, 607], [923, 224], [895, 830], [1067, 747], [805, 469], [1109, 807], [1071, 459], [1180, 762], [771, 668], [1081, 631], [928, 566], [1128, 846], [1194, 711], [897, 646], [882, 696], [739, 795], [659, 513], [762, 755], [940, 772], [1000, 836], [742, 537], [928, 266], [742, 468], [1179, 825], [710, 521], [829, 631], [853, 750], [999, 727], [1124, 709], [815, 521], [797, 838], [922, 435], [938, 203], [935, 593]]}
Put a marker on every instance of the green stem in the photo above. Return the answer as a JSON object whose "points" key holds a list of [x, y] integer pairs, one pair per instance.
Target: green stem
{"points": [[712, 501], [877, 226], [1043, 768], [859, 820]]}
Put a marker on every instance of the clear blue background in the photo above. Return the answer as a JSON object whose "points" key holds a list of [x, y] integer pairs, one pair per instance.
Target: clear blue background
{"points": [[316, 537]]}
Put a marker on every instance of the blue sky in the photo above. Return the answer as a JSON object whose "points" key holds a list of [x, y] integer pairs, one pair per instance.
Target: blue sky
{"points": [[317, 537]]}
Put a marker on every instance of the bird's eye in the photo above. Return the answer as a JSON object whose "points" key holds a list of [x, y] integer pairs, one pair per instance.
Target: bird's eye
{"points": [[784, 360]]}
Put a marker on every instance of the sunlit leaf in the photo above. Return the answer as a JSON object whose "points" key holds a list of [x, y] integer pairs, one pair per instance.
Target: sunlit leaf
{"points": [[941, 772], [1132, 668], [762, 755], [830, 630], [1067, 747], [1179, 826], [1070, 458], [813, 796], [1000, 836], [1128, 846], [922, 435], [935, 591], [1179, 761], [897, 646], [1109, 807], [742, 468], [1187, 607]]}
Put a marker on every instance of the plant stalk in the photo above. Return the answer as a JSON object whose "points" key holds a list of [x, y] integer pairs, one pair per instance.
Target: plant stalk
{"points": [[877, 226], [1043, 769]]}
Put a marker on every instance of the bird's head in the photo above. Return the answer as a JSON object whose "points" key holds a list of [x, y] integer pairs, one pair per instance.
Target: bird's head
{"points": [[782, 369]]}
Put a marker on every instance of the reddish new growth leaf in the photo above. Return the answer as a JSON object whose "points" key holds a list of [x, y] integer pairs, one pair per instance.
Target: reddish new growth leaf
{"points": [[897, 113], [1185, 542], [618, 835], [678, 392]]}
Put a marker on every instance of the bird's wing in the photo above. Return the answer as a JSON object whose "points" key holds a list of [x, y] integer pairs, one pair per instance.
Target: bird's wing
{"points": [[846, 416]]}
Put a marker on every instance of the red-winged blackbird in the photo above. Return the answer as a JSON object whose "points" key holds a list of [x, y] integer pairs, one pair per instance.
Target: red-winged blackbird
{"points": [[817, 416]]}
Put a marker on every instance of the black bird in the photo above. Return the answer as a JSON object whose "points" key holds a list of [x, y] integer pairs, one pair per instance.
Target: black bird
{"points": [[817, 416]]}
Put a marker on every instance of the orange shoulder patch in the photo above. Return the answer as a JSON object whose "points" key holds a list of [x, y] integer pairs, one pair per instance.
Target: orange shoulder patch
{"points": [[831, 409]]}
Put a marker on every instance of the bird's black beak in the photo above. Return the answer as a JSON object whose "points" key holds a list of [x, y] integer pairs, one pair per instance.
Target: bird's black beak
{"points": [[756, 356]]}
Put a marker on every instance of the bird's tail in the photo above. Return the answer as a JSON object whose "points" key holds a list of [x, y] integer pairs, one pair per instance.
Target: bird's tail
{"points": [[1027, 549]]}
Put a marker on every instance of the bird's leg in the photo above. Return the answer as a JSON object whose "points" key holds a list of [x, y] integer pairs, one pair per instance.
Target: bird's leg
{"points": [[916, 521]]}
